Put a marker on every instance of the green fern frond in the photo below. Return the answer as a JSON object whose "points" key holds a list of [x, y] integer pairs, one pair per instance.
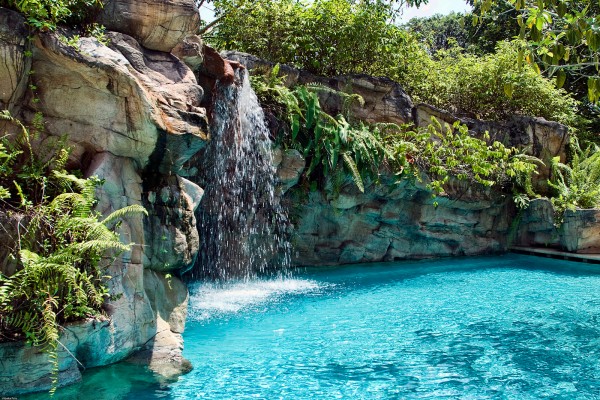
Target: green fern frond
{"points": [[354, 171], [123, 213]]}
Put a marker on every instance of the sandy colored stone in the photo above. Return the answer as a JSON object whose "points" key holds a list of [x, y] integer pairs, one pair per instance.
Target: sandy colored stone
{"points": [[190, 51], [156, 24], [15, 65], [290, 164], [123, 99]]}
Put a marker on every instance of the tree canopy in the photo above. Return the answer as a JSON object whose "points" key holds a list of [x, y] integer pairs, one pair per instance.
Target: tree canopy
{"points": [[564, 38]]}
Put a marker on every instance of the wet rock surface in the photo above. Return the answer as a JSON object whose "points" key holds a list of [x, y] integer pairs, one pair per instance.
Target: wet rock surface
{"points": [[396, 222]]}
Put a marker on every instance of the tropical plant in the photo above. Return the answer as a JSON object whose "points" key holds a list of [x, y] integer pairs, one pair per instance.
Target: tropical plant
{"points": [[577, 185], [445, 152], [335, 147], [46, 14], [62, 248], [563, 36]]}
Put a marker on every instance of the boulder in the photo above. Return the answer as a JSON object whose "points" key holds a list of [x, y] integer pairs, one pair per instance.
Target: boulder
{"points": [[580, 231], [190, 51], [155, 24], [144, 103], [25, 369], [15, 65]]}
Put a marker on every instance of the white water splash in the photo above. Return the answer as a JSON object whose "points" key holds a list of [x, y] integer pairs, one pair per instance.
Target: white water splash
{"points": [[210, 299]]}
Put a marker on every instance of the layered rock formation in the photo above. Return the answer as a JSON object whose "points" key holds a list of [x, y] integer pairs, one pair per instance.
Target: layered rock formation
{"points": [[131, 112], [398, 221]]}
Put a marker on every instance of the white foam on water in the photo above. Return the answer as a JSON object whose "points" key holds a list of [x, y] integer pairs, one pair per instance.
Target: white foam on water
{"points": [[208, 299]]}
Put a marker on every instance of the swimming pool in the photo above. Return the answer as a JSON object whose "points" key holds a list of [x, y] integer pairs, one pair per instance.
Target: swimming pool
{"points": [[513, 326]]}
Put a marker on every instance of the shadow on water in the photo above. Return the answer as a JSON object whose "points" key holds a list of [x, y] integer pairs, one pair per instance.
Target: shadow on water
{"points": [[122, 381], [392, 272]]}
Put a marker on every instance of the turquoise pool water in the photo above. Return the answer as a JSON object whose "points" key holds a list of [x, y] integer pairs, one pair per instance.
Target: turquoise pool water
{"points": [[513, 327]]}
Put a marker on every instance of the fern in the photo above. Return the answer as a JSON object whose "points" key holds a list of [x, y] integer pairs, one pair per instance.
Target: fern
{"points": [[576, 185], [355, 173], [61, 249]]}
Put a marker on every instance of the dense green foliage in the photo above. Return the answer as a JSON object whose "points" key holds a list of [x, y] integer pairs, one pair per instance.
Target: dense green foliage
{"points": [[336, 148], [442, 32], [326, 37], [60, 243], [564, 37], [46, 14], [330, 37], [492, 86], [578, 184]]}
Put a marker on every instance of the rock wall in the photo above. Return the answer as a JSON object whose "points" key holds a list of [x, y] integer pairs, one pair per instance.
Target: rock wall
{"points": [[578, 232], [132, 114], [393, 222]]}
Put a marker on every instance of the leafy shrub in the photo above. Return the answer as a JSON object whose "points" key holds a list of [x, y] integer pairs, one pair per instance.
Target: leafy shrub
{"points": [[60, 245], [333, 146], [578, 184], [325, 37], [493, 86], [46, 14]]}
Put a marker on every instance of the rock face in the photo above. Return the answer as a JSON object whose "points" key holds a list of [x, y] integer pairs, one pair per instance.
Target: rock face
{"points": [[155, 24], [142, 100], [536, 225], [131, 112], [396, 222], [580, 231], [15, 65], [385, 100], [171, 233]]}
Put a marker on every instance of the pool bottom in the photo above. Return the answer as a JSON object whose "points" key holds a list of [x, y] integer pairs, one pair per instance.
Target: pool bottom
{"points": [[500, 327]]}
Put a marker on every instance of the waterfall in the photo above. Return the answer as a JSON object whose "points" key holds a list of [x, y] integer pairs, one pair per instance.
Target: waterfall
{"points": [[242, 224]]}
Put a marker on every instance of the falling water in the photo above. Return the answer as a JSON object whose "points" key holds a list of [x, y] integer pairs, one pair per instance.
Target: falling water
{"points": [[242, 224]]}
